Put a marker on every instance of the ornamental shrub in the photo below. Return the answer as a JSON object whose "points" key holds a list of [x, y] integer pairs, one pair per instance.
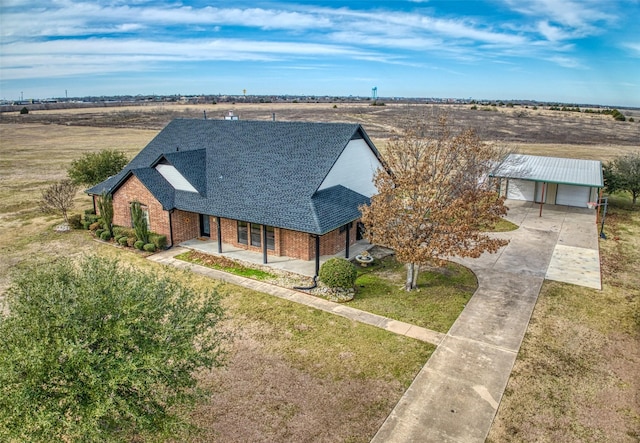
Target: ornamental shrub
{"points": [[338, 273], [124, 232], [99, 232], [149, 247], [123, 241], [160, 241], [75, 221], [131, 241], [106, 236], [95, 225], [139, 244]]}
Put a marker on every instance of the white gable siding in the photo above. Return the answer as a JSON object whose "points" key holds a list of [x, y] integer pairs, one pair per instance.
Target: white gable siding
{"points": [[174, 178], [354, 169]]}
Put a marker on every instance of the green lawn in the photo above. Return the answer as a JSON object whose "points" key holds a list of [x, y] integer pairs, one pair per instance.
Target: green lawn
{"points": [[441, 295]]}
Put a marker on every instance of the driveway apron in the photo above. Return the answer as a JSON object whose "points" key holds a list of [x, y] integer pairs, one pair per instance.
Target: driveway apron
{"points": [[455, 396]]}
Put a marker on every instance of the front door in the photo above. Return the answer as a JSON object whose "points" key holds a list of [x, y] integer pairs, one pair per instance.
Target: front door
{"points": [[205, 226]]}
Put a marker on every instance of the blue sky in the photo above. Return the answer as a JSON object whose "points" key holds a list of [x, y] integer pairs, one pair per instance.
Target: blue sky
{"points": [[571, 51]]}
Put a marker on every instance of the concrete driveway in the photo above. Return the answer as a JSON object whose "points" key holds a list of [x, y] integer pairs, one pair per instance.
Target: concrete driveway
{"points": [[455, 396]]}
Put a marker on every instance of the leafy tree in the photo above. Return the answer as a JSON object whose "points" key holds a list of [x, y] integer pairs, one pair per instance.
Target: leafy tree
{"points": [[139, 222], [97, 351], [434, 197], [94, 167], [59, 198], [105, 206], [623, 174]]}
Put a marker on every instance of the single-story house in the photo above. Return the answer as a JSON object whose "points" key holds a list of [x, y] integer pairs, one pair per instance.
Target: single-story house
{"points": [[280, 188], [551, 180]]}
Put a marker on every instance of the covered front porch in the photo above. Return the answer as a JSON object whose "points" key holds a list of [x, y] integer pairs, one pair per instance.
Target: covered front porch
{"points": [[302, 267]]}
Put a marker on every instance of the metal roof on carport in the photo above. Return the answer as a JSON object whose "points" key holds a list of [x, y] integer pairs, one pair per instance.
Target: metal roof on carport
{"points": [[570, 171]]}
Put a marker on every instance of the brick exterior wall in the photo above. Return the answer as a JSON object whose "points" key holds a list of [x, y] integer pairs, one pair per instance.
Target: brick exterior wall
{"points": [[186, 225], [133, 190], [288, 243]]}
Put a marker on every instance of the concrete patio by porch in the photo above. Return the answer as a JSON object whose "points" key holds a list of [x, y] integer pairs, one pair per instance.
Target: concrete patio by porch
{"points": [[302, 267]]}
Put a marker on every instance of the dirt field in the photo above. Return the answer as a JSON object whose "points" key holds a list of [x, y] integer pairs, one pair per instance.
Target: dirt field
{"points": [[528, 129], [275, 388]]}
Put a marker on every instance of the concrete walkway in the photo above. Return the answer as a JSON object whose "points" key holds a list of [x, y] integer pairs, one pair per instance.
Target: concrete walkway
{"points": [[455, 396], [397, 327]]}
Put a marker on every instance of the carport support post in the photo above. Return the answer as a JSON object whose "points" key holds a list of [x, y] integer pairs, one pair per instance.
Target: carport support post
{"points": [[219, 235], [542, 199]]}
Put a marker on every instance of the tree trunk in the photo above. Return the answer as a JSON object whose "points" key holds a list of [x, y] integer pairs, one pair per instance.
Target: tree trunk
{"points": [[412, 277]]}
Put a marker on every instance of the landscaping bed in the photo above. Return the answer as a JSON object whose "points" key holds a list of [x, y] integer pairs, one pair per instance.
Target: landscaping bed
{"points": [[441, 295]]}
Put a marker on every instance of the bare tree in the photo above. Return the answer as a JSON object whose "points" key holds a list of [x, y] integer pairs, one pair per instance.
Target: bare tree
{"points": [[434, 197], [59, 198]]}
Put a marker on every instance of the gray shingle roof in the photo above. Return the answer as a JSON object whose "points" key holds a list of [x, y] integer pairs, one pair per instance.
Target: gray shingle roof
{"points": [[258, 171]]}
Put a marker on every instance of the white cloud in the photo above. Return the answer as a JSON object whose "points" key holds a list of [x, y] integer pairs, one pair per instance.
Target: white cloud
{"points": [[572, 19], [634, 47]]}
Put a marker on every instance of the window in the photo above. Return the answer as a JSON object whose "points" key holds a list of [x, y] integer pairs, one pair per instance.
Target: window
{"points": [[242, 232], [256, 235], [253, 232], [271, 238]]}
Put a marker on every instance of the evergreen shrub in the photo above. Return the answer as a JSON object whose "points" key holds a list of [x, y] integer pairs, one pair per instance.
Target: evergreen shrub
{"points": [[338, 273]]}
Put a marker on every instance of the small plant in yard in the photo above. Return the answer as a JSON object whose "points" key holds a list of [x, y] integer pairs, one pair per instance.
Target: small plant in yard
{"points": [[139, 244], [149, 247], [139, 223], [339, 275], [105, 205], [59, 198], [75, 221]]}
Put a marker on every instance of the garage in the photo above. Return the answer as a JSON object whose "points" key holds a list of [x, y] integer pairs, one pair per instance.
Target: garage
{"points": [[521, 189], [572, 195], [550, 180]]}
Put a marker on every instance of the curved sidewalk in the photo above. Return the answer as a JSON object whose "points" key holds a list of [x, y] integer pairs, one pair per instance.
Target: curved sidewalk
{"points": [[395, 326], [455, 396]]}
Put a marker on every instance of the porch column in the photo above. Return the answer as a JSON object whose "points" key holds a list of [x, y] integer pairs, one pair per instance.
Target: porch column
{"points": [[219, 235], [346, 249], [264, 244], [317, 255]]}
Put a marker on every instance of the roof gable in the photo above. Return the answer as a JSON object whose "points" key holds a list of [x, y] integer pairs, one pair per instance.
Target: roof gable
{"points": [[260, 171]]}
